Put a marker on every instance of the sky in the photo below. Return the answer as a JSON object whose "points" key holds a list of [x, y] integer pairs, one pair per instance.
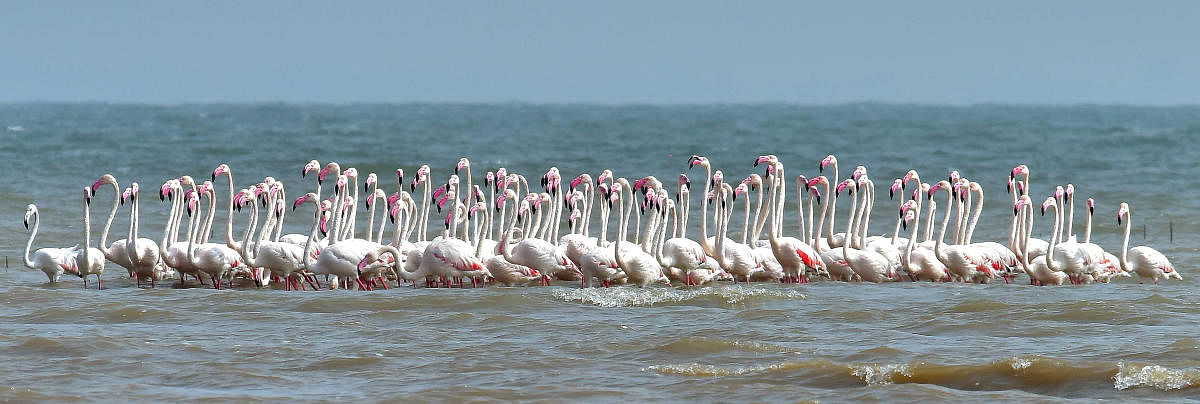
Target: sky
{"points": [[559, 51]]}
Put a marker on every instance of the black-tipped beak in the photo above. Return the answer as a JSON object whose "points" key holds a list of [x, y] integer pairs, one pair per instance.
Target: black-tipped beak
{"points": [[161, 197], [891, 194], [455, 170], [904, 225], [1118, 222], [818, 199], [324, 232], [1091, 210], [366, 187], [27, 223], [756, 162], [214, 177], [412, 187], [303, 173]]}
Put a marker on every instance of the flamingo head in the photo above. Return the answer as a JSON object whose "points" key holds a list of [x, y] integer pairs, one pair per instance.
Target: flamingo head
{"points": [[954, 176], [395, 211], [904, 208], [741, 189], [351, 173], [104, 179], [310, 167], [717, 178], [279, 207], [340, 183], [826, 161], [1091, 205], [753, 181], [909, 216], [307, 197], [372, 179], [331, 167], [697, 160], [582, 178], [1020, 203], [801, 181], [909, 176], [164, 191], [1070, 191], [87, 196], [462, 163], [816, 194], [366, 260], [1049, 203], [685, 183], [1019, 170], [221, 169], [192, 200], [848, 183], [125, 195], [858, 172], [501, 173], [1123, 210], [1059, 192], [896, 185]]}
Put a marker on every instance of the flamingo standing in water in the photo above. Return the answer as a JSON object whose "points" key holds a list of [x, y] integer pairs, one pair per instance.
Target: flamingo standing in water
{"points": [[1146, 262], [51, 261], [91, 260], [143, 252]]}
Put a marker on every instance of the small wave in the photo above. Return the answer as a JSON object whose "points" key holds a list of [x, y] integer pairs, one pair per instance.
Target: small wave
{"points": [[1159, 377], [703, 345], [647, 297]]}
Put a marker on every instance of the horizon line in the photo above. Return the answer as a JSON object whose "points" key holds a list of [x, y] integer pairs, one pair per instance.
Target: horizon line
{"points": [[604, 103]]}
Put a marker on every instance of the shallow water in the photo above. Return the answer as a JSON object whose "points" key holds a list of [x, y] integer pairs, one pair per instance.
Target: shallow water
{"points": [[766, 342]]}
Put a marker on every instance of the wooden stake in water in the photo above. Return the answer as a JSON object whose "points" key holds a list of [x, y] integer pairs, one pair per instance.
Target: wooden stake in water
{"points": [[1143, 231], [1171, 226]]}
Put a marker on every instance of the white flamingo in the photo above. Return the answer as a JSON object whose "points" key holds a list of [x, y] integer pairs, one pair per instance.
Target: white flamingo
{"points": [[90, 260], [143, 254], [51, 261], [1144, 261]]}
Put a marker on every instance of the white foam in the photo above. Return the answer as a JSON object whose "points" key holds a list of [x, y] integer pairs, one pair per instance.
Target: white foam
{"points": [[1159, 377]]}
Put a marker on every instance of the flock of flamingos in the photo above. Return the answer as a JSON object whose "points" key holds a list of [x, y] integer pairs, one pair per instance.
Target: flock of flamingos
{"points": [[528, 246]]}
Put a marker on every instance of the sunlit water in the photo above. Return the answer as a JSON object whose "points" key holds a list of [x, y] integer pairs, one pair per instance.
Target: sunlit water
{"points": [[766, 342]]}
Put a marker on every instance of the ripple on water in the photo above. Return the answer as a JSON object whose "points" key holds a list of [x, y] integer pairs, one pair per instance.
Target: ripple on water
{"points": [[705, 346], [728, 296]]}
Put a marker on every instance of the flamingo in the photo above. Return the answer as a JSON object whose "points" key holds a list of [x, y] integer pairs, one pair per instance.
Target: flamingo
{"points": [[213, 259], [920, 261], [963, 261], [867, 265], [143, 254], [114, 252], [735, 258], [92, 259], [1039, 270], [281, 258], [1146, 262], [640, 267], [540, 254], [834, 258], [793, 255], [51, 261], [1065, 254]]}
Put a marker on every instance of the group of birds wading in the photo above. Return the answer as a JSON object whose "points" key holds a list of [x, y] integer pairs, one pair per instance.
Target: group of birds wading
{"points": [[527, 245]]}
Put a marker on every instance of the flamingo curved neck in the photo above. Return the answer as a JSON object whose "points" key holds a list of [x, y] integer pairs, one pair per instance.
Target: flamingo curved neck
{"points": [[112, 214]]}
